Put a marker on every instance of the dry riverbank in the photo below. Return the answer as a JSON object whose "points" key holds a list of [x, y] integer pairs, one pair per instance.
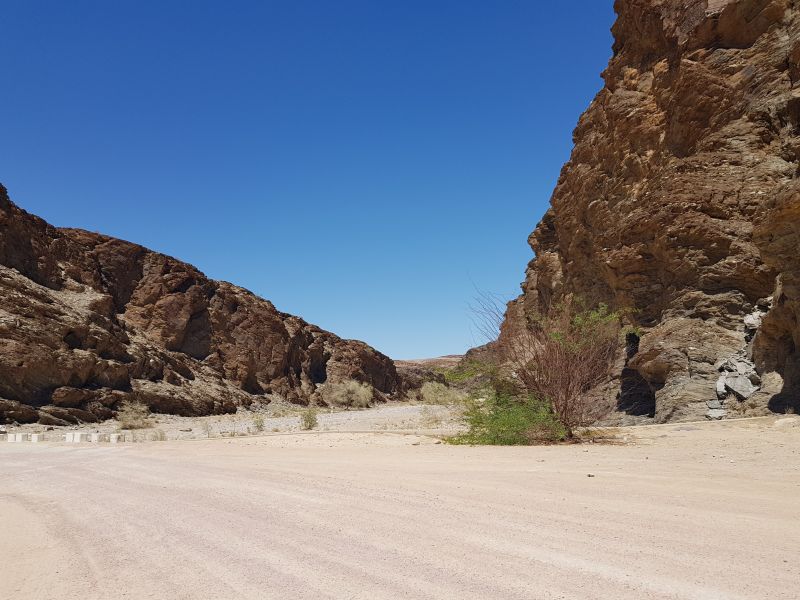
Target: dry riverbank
{"points": [[680, 511]]}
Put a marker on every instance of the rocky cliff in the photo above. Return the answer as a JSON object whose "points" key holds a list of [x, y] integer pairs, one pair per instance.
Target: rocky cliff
{"points": [[87, 321], [681, 200]]}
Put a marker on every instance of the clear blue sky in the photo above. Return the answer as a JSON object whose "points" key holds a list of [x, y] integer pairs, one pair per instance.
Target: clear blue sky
{"points": [[363, 164]]}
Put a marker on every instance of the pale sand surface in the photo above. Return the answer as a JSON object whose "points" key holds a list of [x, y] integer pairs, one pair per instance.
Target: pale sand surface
{"points": [[395, 416], [704, 510]]}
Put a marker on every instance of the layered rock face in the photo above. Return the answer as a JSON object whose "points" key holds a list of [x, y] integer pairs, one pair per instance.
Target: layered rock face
{"points": [[87, 321], [681, 200]]}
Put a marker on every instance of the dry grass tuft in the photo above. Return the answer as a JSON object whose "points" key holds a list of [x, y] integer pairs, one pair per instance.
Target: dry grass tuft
{"points": [[350, 394], [308, 419], [133, 414], [437, 393], [258, 422]]}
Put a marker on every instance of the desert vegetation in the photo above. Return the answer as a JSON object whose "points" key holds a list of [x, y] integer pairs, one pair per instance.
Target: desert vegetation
{"points": [[544, 373], [348, 394], [507, 420], [258, 422], [433, 392], [468, 371], [133, 414], [308, 419]]}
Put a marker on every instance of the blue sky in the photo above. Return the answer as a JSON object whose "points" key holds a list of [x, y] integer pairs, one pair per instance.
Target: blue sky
{"points": [[363, 164]]}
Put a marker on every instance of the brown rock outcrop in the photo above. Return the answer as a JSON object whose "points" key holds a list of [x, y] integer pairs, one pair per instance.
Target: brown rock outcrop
{"points": [[681, 200], [87, 321]]}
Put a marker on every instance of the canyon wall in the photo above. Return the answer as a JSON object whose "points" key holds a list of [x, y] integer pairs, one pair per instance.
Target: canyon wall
{"points": [[88, 321], [681, 201]]}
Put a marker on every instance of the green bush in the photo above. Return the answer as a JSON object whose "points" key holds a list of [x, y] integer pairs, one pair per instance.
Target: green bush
{"points": [[308, 419], [466, 371], [504, 420], [351, 394]]}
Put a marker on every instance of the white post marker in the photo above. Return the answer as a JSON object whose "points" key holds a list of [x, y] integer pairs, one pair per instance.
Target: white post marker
{"points": [[37, 437]]}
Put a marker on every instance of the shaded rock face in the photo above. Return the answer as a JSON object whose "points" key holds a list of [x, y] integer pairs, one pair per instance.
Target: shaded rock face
{"points": [[681, 200], [87, 321]]}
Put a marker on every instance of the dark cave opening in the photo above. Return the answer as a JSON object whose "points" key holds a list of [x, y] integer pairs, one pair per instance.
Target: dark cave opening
{"points": [[636, 396], [318, 369]]}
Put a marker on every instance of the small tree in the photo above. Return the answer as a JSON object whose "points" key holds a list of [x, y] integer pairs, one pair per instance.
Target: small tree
{"points": [[560, 357]]}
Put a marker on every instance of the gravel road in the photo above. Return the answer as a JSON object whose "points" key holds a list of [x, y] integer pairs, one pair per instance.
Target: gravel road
{"points": [[692, 511]]}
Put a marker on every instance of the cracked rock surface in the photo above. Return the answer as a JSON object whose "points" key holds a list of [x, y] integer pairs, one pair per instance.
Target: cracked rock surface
{"points": [[87, 321], [681, 200]]}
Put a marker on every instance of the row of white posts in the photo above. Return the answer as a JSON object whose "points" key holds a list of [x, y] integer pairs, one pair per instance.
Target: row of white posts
{"points": [[74, 437]]}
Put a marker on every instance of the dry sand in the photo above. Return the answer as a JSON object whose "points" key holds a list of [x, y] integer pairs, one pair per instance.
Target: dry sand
{"points": [[395, 416], [681, 511]]}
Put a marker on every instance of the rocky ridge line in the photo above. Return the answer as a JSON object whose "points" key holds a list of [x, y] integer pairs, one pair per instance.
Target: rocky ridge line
{"points": [[87, 321]]}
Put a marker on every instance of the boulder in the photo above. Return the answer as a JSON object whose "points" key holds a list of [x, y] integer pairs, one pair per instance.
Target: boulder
{"points": [[740, 386], [69, 397]]}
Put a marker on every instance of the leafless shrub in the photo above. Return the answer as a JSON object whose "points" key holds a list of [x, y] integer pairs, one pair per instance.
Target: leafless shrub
{"points": [[133, 414], [488, 315], [352, 394]]}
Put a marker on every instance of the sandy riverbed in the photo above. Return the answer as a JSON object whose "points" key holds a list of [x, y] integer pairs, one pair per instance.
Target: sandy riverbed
{"points": [[680, 511], [395, 416]]}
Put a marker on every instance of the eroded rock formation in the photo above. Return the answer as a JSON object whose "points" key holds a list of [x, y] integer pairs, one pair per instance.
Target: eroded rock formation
{"points": [[681, 200], [87, 321]]}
